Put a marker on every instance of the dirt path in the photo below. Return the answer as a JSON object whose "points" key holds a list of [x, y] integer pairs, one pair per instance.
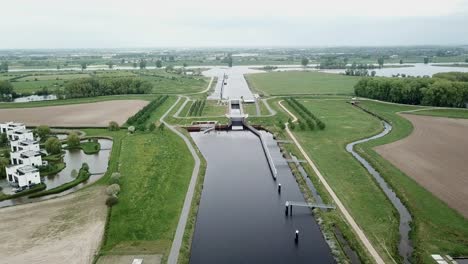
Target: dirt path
{"points": [[357, 230], [435, 155], [68, 229], [75, 115]]}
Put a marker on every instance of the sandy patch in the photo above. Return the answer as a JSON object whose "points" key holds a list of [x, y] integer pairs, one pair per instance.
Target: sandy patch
{"points": [[436, 156], [75, 115], [62, 230]]}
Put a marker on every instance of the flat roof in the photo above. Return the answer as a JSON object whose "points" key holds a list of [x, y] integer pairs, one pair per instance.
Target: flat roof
{"points": [[28, 142], [30, 153], [27, 169], [22, 131]]}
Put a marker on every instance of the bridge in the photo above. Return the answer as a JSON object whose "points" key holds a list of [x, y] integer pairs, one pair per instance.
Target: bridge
{"points": [[290, 204]]}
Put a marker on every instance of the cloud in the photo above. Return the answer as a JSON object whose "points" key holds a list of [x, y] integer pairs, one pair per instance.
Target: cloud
{"points": [[117, 23]]}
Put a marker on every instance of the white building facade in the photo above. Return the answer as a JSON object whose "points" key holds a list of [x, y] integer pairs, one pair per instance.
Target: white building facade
{"points": [[25, 156]]}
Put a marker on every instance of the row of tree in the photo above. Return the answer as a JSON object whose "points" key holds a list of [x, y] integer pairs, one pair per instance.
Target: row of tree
{"points": [[139, 119], [310, 119], [90, 87], [6, 91], [197, 108], [452, 76], [415, 91]]}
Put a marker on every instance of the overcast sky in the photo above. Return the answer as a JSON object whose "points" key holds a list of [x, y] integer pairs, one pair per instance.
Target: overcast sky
{"points": [[204, 23]]}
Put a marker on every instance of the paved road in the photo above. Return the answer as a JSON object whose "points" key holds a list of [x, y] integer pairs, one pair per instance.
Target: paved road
{"points": [[179, 235], [365, 241]]}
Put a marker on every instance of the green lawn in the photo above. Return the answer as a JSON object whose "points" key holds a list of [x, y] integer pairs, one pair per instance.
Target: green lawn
{"points": [[296, 82], [156, 169], [438, 229], [351, 182], [213, 109]]}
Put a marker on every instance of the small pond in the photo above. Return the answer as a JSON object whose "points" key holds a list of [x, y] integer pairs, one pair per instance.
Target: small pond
{"points": [[73, 159]]}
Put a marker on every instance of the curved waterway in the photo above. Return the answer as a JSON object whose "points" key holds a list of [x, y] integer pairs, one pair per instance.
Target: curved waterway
{"points": [[405, 248], [73, 159], [241, 218]]}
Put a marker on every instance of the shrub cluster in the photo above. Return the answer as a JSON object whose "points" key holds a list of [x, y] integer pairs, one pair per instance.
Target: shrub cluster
{"points": [[197, 108], [311, 120], [416, 91], [90, 87], [139, 119]]}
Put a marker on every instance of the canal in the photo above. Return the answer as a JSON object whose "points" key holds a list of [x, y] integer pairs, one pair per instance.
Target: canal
{"points": [[241, 218]]}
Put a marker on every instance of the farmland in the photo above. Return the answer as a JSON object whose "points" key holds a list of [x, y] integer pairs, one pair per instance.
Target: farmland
{"points": [[440, 166], [76, 115]]}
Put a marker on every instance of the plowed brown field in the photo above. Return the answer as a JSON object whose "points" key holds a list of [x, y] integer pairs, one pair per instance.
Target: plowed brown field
{"points": [[75, 115], [436, 156]]}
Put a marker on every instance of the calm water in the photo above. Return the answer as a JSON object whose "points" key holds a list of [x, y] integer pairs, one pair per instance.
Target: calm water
{"points": [[242, 218], [404, 247], [419, 69], [35, 98], [73, 159]]}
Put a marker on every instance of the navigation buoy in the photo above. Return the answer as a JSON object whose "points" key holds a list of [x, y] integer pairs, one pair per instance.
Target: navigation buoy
{"points": [[297, 236], [279, 187]]}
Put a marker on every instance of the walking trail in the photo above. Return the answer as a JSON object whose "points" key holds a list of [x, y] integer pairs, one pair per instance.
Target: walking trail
{"points": [[179, 235]]}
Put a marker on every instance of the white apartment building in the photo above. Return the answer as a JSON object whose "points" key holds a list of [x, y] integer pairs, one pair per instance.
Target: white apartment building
{"points": [[25, 156]]}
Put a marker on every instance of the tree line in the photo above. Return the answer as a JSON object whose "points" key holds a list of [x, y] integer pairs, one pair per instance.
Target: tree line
{"points": [[90, 87], [196, 109], [310, 119], [415, 91], [139, 119]]}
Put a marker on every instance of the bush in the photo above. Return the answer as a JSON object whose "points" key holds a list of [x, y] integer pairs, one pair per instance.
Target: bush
{"points": [[113, 189], [111, 201], [85, 166], [73, 140], [53, 146], [115, 178], [152, 127], [42, 132], [113, 126]]}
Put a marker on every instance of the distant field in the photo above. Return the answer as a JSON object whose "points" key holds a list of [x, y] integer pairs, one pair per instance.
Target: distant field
{"points": [[163, 82], [46, 77], [295, 82]]}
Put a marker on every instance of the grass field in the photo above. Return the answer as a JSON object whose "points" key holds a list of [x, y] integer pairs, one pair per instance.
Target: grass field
{"points": [[212, 108], [438, 229], [350, 181], [290, 83], [156, 169]]}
